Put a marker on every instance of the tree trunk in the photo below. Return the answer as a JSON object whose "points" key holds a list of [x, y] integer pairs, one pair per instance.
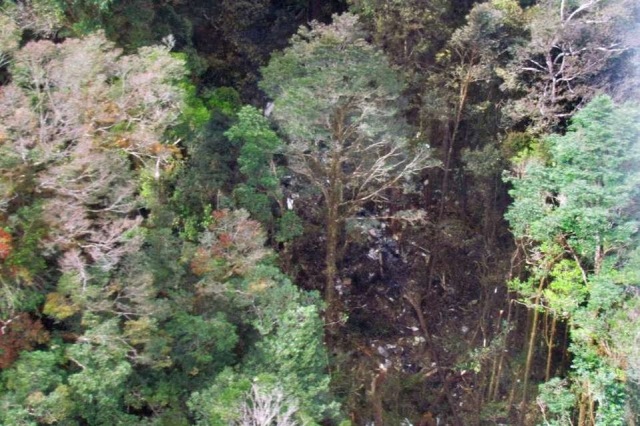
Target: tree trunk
{"points": [[462, 100], [565, 348], [334, 199], [495, 373], [532, 342], [552, 336], [582, 412], [331, 268]]}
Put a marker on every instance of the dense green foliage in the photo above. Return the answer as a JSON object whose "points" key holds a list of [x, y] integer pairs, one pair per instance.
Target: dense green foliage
{"points": [[577, 215]]}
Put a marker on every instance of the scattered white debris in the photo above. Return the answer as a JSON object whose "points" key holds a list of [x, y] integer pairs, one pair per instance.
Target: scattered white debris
{"points": [[382, 351], [373, 254]]}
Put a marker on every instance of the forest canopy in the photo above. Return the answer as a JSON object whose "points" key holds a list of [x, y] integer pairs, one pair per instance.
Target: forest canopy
{"points": [[363, 212]]}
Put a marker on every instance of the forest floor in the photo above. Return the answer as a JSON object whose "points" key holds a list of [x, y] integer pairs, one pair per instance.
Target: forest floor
{"points": [[424, 305]]}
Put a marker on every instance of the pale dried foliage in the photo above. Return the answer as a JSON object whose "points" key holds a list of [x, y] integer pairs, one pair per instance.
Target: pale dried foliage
{"points": [[81, 118], [267, 407], [42, 17], [9, 38], [86, 92]]}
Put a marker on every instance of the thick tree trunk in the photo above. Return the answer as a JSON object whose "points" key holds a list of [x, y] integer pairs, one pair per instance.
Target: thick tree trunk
{"points": [[334, 199], [331, 268]]}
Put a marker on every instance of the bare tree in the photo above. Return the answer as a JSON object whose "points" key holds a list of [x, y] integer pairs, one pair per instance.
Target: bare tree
{"points": [[570, 56], [267, 407]]}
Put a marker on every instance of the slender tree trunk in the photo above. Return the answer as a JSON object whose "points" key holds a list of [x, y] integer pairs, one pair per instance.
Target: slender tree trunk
{"points": [[494, 378], [592, 409], [512, 391], [565, 344], [462, 100], [552, 336], [532, 342], [599, 256], [286, 258], [496, 389]]}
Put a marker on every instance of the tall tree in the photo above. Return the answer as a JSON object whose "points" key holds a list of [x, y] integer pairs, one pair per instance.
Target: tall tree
{"points": [[464, 76], [336, 101]]}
